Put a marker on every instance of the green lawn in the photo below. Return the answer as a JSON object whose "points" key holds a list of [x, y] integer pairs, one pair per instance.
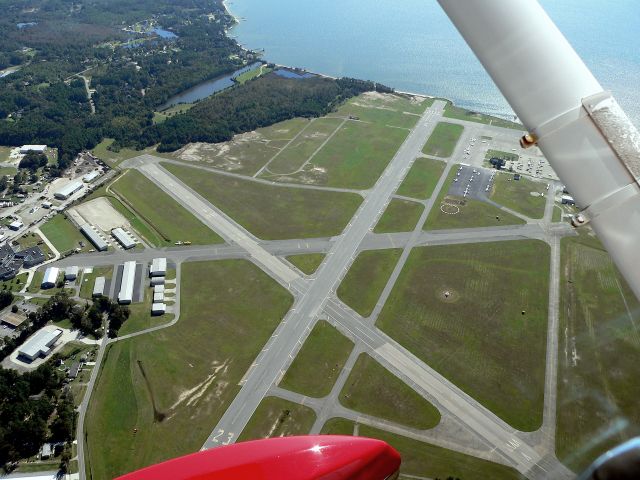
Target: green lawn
{"points": [[251, 74], [64, 235], [174, 385], [459, 308], [15, 284], [557, 214], [324, 353], [366, 279], [4, 154], [34, 240], [291, 158], [141, 318], [422, 178], [308, 263], [102, 152], [88, 280], [387, 110], [400, 216], [470, 213], [142, 228], [599, 348], [443, 140], [426, 460], [517, 195], [510, 157], [276, 417], [358, 154], [451, 111], [373, 390], [289, 213], [159, 117], [172, 221]]}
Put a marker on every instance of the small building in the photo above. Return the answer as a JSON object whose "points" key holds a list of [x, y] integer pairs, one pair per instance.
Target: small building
{"points": [[157, 281], [74, 370], [98, 287], [91, 176], [24, 149], [47, 205], [46, 452], [50, 277], [94, 238], [30, 257], [16, 225], [68, 190], [71, 273], [158, 297], [124, 238], [567, 200], [126, 285], [40, 344], [158, 309], [516, 176], [158, 289], [158, 267]]}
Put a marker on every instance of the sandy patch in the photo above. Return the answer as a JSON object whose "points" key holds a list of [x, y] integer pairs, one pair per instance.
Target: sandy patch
{"points": [[99, 212]]}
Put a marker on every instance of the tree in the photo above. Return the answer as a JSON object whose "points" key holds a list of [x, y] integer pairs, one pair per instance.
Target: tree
{"points": [[6, 298], [33, 161], [14, 308]]}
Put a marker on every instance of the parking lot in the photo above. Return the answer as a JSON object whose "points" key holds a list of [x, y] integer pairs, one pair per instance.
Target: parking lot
{"points": [[472, 182]]}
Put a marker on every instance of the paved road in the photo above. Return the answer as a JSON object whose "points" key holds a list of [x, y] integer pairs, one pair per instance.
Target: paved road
{"points": [[289, 337]]}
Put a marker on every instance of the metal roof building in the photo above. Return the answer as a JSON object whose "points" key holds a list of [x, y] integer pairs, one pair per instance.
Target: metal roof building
{"points": [[33, 148], [158, 297], [158, 309], [71, 273], [157, 281], [158, 267], [91, 176], [16, 225], [98, 287], [126, 285], [158, 288], [40, 344], [94, 238], [68, 190], [50, 277], [123, 238]]}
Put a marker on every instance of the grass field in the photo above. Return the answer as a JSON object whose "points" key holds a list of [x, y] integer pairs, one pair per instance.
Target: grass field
{"points": [[599, 349], [383, 111], [472, 213], [426, 460], [88, 279], [276, 417], [289, 213], [174, 385], [443, 140], [557, 214], [516, 195], [102, 152], [141, 318], [451, 111], [64, 235], [511, 157], [15, 284], [142, 228], [159, 117], [400, 216], [422, 178], [358, 154], [251, 74], [307, 263], [161, 211], [311, 139], [459, 308], [366, 279], [373, 390], [4, 153], [324, 353]]}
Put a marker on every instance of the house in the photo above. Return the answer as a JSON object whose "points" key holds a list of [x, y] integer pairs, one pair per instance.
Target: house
{"points": [[71, 273], [16, 225], [30, 257]]}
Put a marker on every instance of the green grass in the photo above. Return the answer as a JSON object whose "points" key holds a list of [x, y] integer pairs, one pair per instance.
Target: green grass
{"points": [[383, 111], [289, 213], [599, 352], [162, 212], [192, 369], [319, 362], [291, 158], [358, 154], [308, 263], [373, 390], [64, 235], [15, 284], [516, 195], [276, 417], [114, 158], [426, 460], [4, 154], [141, 318], [34, 240], [39, 466], [443, 140], [478, 337], [400, 216], [557, 214], [508, 156], [366, 279], [11, 171], [451, 111], [36, 282], [88, 280], [422, 179], [472, 213], [142, 228], [159, 117], [251, 74]]}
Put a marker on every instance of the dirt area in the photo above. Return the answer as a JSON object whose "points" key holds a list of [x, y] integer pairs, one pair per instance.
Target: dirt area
{"points": [[99, 212], [383, 100]]}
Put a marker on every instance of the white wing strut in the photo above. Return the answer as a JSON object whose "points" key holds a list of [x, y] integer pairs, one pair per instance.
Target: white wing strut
{"points": [[582, 131]]}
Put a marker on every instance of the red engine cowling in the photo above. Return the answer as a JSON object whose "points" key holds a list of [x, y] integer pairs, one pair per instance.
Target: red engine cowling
{"points": [[326, 457]]}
